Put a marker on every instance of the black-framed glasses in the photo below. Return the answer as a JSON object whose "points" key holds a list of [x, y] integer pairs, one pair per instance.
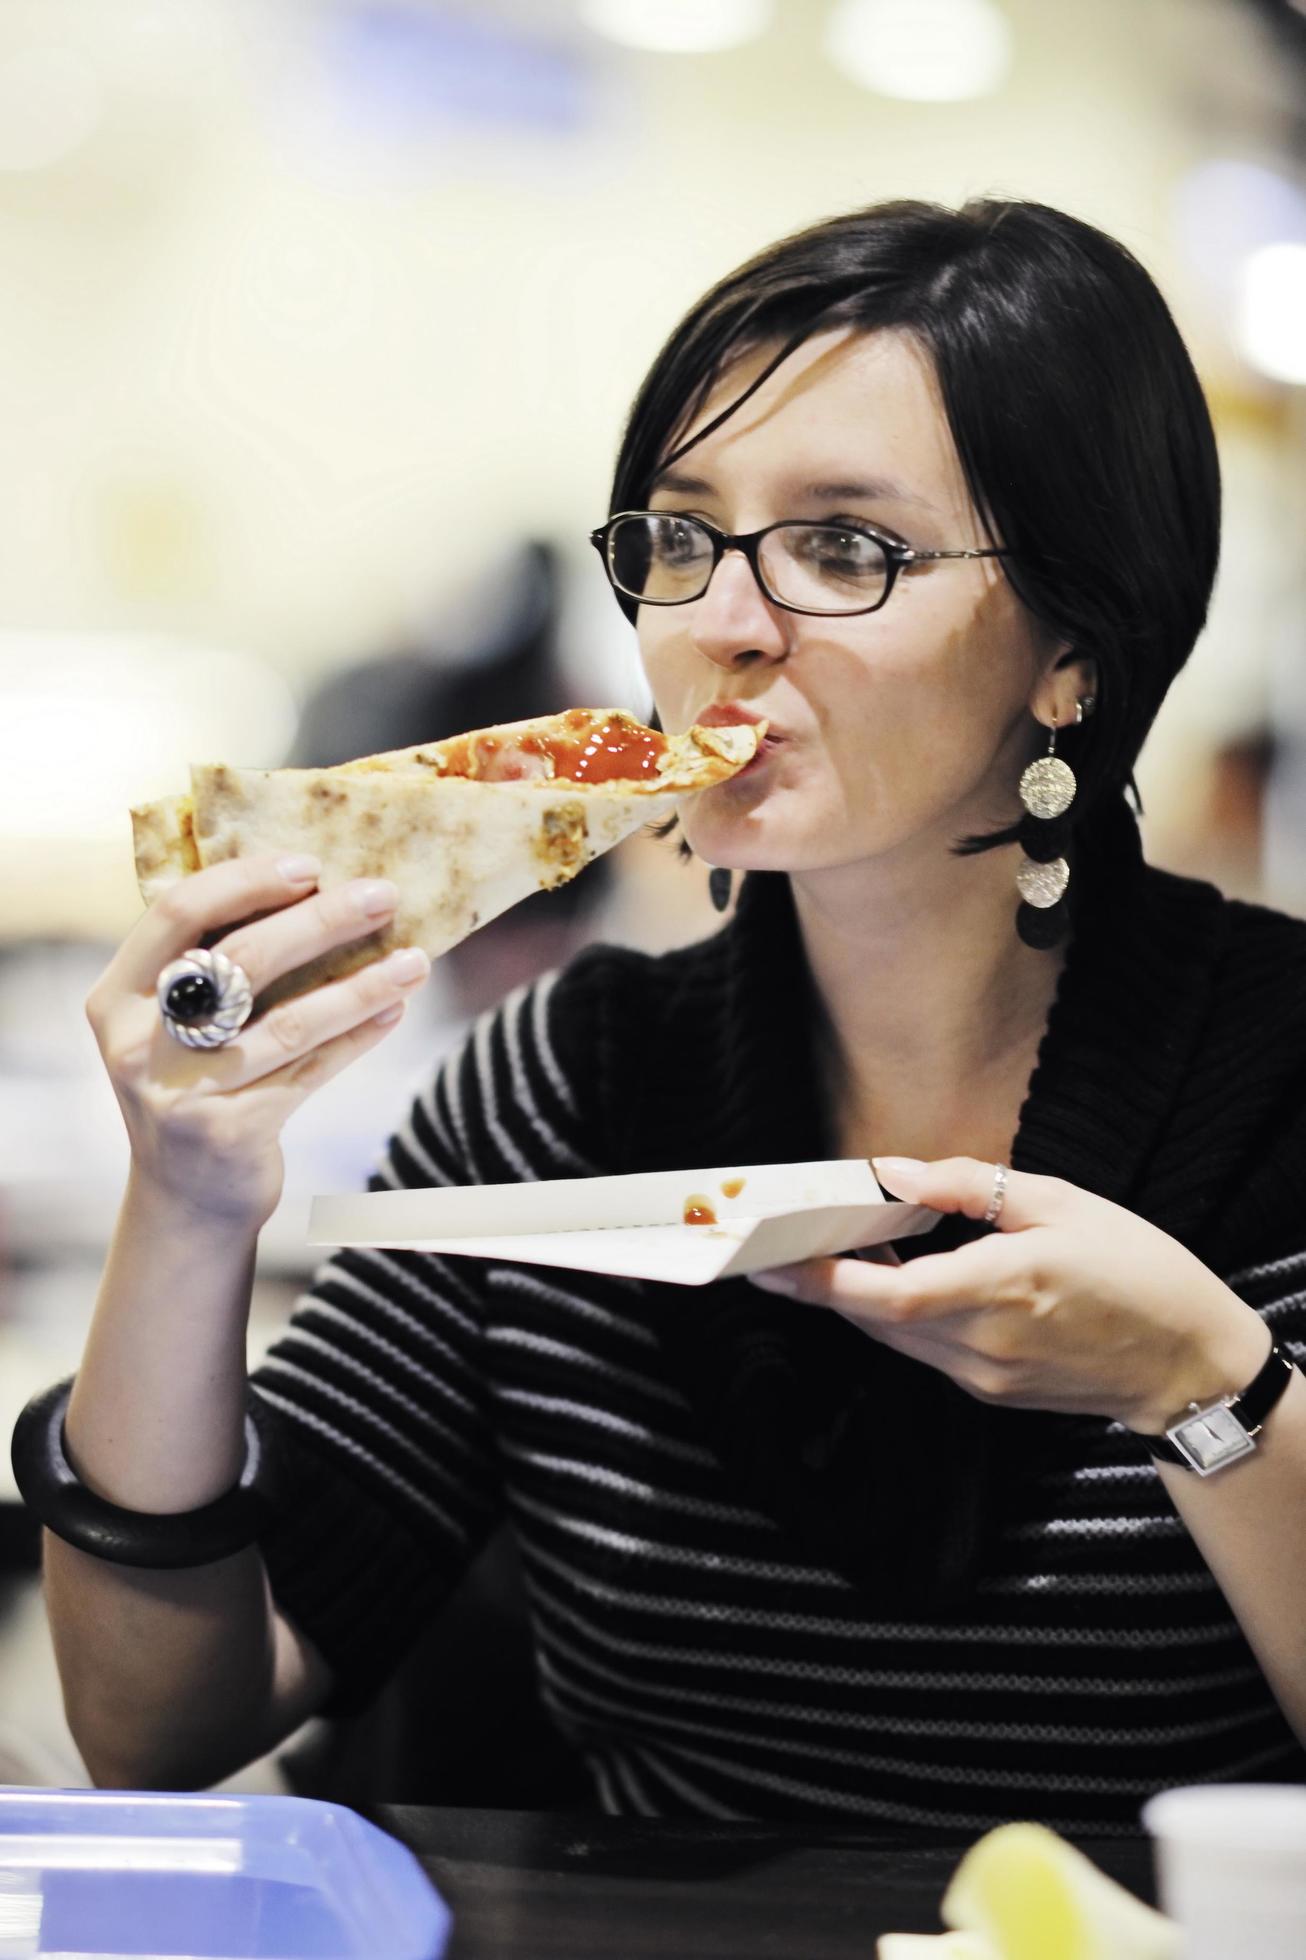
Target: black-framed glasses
{"points": [[661, 558]]}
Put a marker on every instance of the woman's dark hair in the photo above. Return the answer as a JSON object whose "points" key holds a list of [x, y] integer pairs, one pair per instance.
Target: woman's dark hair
{"points": [[1079, 420]]}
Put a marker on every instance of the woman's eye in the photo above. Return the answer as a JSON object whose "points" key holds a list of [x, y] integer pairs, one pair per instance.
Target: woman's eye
{"points": [[678, 540], [845, 553]]}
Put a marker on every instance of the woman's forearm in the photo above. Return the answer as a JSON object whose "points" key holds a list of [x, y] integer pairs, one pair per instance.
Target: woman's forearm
{"points": [[1249, 1523], [157, 1414], [168, 1676]]}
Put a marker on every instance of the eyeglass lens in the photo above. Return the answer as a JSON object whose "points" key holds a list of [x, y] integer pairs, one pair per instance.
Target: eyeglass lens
{"points": [[668, 560]]}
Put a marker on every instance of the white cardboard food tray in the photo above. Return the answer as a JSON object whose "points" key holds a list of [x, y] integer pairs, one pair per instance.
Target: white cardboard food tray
{"points": [[634, 1227]]}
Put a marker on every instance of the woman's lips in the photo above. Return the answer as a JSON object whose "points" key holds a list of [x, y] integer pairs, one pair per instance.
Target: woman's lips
{"points": [[732, 714], [768, 747]]}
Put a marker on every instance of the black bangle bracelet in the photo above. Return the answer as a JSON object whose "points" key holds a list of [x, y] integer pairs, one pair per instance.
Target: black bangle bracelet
{"points": [[167, 1540]]}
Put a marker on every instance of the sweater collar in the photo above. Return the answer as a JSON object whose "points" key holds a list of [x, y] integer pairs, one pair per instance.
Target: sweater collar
{"points": [[1126, 1023], [1129, 1010]]}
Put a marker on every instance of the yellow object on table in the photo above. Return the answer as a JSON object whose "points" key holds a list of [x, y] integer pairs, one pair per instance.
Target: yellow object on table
{"points": [[1023, 1893]]}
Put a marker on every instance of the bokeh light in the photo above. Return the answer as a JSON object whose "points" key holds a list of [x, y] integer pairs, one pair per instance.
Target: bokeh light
{"points": [[1271, 319], [678, 26], [921, 50]]}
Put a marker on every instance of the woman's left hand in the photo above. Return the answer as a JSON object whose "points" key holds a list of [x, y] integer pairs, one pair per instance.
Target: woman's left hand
{"points": [[1074, 1304]]}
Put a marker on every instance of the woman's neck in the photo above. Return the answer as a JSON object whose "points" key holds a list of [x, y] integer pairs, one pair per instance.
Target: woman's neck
{"points": [[933, 1008]]}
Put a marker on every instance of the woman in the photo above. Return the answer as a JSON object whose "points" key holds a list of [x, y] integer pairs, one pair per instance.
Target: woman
{"points": [[928, 492]]}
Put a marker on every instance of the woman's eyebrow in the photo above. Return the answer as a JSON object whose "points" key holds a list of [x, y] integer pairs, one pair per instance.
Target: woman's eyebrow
{"points": [[681, 485], [851, 489], [866, 489]]}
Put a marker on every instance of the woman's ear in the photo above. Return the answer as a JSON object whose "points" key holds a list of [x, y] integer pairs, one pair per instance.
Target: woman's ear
{"points": [[1069, 681]]}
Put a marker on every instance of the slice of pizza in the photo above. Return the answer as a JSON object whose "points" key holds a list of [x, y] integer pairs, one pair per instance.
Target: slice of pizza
{"points": [[465, 828]]}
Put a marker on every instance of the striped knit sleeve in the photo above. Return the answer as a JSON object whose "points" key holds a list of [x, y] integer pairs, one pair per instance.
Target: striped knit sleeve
{"points": [[1277, 1290], [387, 1467]]}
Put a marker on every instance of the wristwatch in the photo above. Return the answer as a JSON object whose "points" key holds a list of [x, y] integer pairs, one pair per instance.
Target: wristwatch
{"points": [[1207, 1440]]}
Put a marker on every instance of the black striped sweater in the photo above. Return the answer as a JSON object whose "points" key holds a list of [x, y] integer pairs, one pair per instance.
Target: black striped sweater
{"points": [[693, 1643]]}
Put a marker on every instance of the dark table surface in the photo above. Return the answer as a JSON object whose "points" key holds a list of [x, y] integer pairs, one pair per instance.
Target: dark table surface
{"points": [[557, 1886]]}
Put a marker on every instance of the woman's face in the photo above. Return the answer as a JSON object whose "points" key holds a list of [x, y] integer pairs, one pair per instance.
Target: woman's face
{"points": [[897, 728]]}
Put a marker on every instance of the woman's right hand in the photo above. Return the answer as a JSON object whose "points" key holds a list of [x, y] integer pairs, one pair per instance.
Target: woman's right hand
{"points": [[205, 1124]]}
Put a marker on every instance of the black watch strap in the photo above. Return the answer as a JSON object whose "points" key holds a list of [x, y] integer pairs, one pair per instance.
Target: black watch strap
{"points": [[1206, 1439]]}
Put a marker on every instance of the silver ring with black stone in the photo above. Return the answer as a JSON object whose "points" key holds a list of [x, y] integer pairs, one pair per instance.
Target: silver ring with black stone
{"points": [[205, 998]]}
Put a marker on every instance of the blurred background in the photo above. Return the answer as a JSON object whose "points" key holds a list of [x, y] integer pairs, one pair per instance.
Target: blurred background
{"points": [[319, 322]]}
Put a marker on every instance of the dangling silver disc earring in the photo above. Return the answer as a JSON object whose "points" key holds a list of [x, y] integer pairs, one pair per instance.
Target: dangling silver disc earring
{"points": [[1041, 885], [1047, 790]]}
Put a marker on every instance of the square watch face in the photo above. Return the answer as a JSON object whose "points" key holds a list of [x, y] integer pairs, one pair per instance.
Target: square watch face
{"points": [[1212, 1437]]}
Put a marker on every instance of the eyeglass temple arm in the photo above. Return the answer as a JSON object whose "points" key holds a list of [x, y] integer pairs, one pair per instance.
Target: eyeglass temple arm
{"points": [[908, 555]]}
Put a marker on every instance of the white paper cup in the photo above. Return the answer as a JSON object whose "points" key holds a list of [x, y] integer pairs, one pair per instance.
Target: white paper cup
{"points": [[1231, 1868]]}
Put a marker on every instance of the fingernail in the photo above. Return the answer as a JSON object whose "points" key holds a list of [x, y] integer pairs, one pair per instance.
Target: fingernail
{"points": [[895, 1169], [389, 1015], [374, 896], [407, 967], [299, 870]]}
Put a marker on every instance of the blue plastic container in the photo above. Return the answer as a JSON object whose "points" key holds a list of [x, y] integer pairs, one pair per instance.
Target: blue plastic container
{"points": [[90, 1873]]}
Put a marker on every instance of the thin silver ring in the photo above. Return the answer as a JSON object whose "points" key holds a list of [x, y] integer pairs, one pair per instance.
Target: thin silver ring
{"points": [[204, 998], [999, 1198]]}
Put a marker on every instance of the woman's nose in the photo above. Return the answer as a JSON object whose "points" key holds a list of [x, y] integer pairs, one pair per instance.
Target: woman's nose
{"points": [[734, 617]]}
